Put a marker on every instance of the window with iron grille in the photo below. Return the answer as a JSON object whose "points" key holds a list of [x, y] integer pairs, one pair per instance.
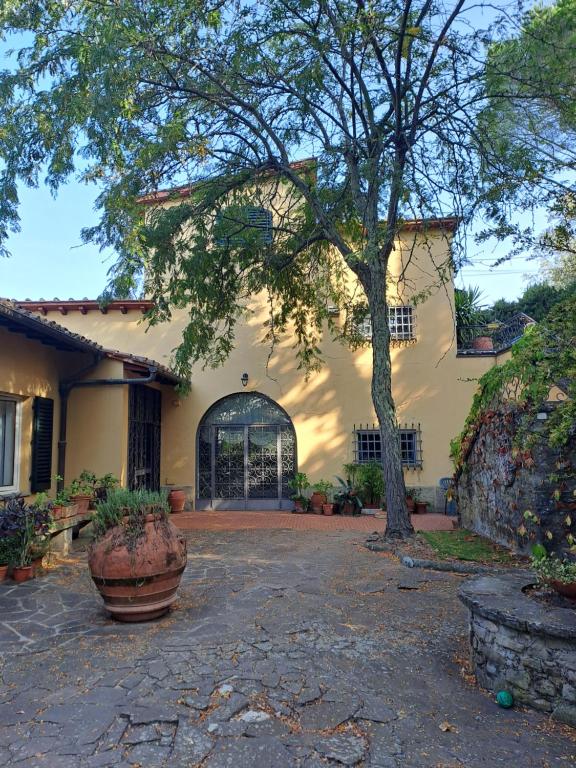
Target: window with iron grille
{"points": [[367, 445], [239, 226], [400, 322]]}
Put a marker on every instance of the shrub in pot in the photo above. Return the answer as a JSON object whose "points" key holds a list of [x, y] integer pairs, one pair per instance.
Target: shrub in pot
{"points": [[346, 498], [81, 491], [26, 525], [319, 496], [137, 556], [412, 497], [558, 574], [299, 484], [370, 479], [8, 549], [105, 484], [61, 503]]}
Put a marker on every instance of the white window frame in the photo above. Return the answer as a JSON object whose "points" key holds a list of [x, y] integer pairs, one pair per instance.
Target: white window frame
{"points": [[406, 332], [403, 330], [6, 490]]}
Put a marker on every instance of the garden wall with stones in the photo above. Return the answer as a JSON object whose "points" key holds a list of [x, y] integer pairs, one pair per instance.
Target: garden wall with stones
{"points": [[521, 645], [499, 482]]}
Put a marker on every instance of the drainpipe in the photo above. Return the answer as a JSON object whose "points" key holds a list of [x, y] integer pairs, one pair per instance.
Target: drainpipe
{"points": [[67, 386]]}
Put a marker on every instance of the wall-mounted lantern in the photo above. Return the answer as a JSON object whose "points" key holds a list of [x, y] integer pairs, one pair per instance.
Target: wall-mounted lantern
{"points": [[244, 379]]}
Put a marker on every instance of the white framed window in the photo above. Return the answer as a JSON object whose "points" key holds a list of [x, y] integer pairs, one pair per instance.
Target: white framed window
{"points": [[9, 443], [400, 322]]}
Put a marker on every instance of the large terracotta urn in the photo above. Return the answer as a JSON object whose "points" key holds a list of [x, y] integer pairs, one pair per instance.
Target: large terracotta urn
{"points": [[138, 579]]}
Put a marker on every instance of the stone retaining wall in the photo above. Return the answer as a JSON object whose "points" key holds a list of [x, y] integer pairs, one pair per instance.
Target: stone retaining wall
{"points": [[499, 483], [522, 646]]}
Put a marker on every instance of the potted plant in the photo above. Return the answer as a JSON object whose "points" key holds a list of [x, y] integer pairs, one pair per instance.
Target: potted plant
{"points": [[24, 524], [483, 343], [371, 485], [60, 502], [412, 496], [420, 506], [41, 543], [137, 556], [329, 507], [554, 572], [82, 491], [105, 484], [320, 495], [299, 484], [346, 498], [8, 551]]}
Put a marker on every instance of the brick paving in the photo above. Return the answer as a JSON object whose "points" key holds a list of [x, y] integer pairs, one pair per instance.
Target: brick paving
{"points": [[237, 521], [283, 651]]}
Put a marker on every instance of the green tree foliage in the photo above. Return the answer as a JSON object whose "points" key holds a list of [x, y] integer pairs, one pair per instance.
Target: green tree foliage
{"points": [[537, 301], [531, 79], [220, 97], [469, 312]]}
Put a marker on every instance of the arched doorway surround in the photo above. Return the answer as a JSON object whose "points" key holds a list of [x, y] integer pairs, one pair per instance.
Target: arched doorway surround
{"points": [[245, 454]]}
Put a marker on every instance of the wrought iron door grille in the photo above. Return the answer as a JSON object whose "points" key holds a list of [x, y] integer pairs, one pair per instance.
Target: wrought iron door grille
{"points": [[144, 434], [246, 460]]}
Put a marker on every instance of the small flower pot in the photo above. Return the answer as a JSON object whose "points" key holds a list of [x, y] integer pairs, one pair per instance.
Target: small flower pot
{"points": [[483, 343], [3, 572], [328, 509], [177, 500], [410, 504], [82, 502], [421, 507], [317, 500], [37, 564], [22, 573], [298, 508]]}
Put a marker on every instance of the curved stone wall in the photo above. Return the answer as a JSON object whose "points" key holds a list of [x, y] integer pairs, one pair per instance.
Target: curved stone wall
{"points": [[521, 645]]}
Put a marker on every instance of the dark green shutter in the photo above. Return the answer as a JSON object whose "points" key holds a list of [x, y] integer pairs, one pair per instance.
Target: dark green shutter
{"points": [[42, 444]]}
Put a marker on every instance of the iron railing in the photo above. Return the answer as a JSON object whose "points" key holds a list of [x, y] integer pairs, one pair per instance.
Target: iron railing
{"points": [[492, 337]]}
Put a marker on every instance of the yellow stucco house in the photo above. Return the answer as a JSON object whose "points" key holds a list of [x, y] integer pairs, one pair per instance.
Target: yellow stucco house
{"points": [[236, 439]]}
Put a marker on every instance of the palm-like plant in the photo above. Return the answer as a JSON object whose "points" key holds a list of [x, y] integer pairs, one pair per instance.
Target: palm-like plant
{"points": [[468, 311]]}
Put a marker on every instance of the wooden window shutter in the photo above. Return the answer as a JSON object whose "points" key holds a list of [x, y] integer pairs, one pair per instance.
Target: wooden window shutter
{"points": [[42, 431]]}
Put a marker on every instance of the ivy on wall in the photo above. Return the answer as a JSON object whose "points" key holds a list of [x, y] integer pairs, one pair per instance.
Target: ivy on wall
{"points": [[504, 439], [544, 358]]}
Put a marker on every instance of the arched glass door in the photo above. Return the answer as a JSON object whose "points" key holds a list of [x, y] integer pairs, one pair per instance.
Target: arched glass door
{"points": [[246, 454]]}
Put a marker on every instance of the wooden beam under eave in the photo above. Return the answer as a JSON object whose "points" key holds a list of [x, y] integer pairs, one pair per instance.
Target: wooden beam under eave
{"points": [[83, 310], [63, 310]]}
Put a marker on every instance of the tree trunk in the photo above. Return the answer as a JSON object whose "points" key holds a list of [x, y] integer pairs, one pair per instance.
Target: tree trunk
{"points": [[398, 523]]}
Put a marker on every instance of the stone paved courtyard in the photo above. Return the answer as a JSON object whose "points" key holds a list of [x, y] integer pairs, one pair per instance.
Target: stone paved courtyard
{"points": [[285, 648]]}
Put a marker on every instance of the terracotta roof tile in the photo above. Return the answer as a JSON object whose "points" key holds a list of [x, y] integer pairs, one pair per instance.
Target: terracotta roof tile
{"points": [[48, 329]]}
